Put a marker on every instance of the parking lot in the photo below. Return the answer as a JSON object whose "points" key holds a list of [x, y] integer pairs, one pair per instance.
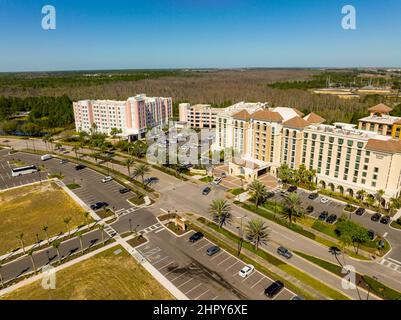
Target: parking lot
{"points": [[201, 277], [91, 189]]}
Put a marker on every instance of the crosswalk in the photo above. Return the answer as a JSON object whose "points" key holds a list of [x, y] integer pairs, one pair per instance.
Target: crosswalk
{"points": [[110, 231], [154, 227], [124, 211], [391, 263]]}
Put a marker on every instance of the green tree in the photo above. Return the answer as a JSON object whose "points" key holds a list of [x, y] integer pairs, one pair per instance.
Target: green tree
{"points": [[257, 233], [258, 190], [285, 174], [220, 211], [30, 254], [45, 228], [141, 170], [128, 163], [379, 197], [56, 245], [361, 194], [67, 223], [101, 228], [20, 237], [292, 207]]}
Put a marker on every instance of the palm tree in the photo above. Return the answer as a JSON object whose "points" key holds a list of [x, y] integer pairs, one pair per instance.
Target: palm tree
{"points": [[361, 194], [58, 145], [220, 211], [79, 235], [86, 217], [379, 197], [20, 237], [51, 140], [56, 245], [284, 173], [394, 204], [141, 170], [67, 223], [45, 228], [258, 190], [30, 254], [101, 228], [75, 148], [257, 233], [45, 140], [292, 207], [128, 163]]}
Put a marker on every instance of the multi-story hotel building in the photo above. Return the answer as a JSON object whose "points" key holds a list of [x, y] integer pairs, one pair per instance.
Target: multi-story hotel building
{"points": [[346, 159], [204, 116], [132, 117]]}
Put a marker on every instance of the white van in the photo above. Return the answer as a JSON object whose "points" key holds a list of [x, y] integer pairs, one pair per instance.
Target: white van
{"points": [[46, 157]]}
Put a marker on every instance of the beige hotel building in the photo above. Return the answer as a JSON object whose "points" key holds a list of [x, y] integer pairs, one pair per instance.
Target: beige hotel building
{"points": [[346, 158]]}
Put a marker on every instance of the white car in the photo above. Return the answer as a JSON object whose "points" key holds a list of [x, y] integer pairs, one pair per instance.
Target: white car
{"points": [[217, 180], [107, 179], [246, 271], [324, 200]]}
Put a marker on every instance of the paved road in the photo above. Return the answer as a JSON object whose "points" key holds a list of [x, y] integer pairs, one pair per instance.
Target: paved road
{"points": [[186, 196]]}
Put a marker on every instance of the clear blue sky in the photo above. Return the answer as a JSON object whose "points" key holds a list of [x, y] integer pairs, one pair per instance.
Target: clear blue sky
{"points": [[99, 34]]}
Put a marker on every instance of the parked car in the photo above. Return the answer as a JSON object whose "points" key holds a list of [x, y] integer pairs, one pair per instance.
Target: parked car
{"points": [[360, 211], [206, 191], [246, 271], [323, 216], [313, 196], [274, 289], [270, 195], [107, 179], [212, 250], [63, 161], [292, 189], [124, 190], [223, 175], [196, 236], [310, 209], [376, 217], [284, 252], [371, 234], [80, 167], [325, 200], [334, 250], [99, 205], [385, 220], [332, 218], [297, 298], [217, 180]]}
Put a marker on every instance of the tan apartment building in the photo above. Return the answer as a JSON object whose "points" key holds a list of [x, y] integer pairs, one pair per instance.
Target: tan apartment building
{"points": [[346, 159], [204, 116]]}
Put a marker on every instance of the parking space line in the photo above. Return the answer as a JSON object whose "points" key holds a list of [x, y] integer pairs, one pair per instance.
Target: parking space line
{"points": [[246, 278], [154, 263], [203, 247], [217, 255], [172, 270], [233, 265], [197, 286], [166, 265], [185, 282], [257, 282], [202, 294], [179, 276]]}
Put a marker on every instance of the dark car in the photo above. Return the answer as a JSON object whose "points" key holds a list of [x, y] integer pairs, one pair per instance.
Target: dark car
{"points": [[313, 196], [196, 236], [206, 191], [292, 189], [334, 250], [284, 252], [99, 205], [323, 216], [63, 161], [376, 217], [80, 167], [310, 209], [385, 220], [371, 234], [332, 218], [360, 211], [270, 195], [124, 190], [297, 298], [274, 288], [212, 250]]}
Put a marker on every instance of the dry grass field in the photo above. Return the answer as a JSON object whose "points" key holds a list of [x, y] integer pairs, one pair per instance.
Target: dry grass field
{"points": [[105, 276], [26, 209]]}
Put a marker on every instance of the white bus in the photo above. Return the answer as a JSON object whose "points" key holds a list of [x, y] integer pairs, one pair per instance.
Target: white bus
{"points": [[15, 172], [46, 157]]}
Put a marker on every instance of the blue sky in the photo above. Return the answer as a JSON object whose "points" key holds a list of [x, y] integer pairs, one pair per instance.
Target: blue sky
{"points": [[98, 34]]}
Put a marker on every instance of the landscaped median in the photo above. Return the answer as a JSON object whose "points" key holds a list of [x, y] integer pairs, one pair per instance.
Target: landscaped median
{"points": [[313, 229], [294, 279], [364, 282]]}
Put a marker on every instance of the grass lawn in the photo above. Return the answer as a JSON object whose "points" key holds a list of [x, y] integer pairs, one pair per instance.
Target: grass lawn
{"points": [[137, 200], [73, 186], [105, 276], [26, 209], [236, 191], [206, 179]]}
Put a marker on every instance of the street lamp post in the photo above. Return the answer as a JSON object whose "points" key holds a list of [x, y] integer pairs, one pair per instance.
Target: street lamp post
{"points": [[240, 234]]}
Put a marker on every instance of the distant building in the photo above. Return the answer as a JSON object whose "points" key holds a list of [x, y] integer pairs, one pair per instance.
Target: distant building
{"points": [[204, 116], [133, 116]]}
